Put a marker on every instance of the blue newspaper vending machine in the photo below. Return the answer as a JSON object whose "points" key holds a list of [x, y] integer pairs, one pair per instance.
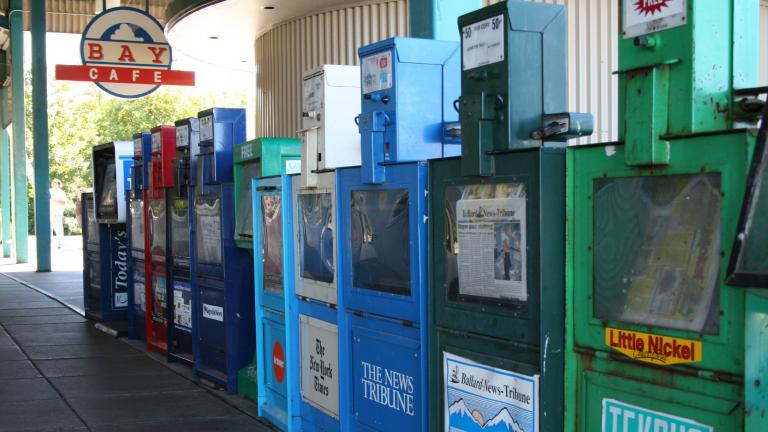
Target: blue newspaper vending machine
{"points": [[408, 90], [111, 178], [181, 320], [135, 222], [329, 141], [224, 339]]}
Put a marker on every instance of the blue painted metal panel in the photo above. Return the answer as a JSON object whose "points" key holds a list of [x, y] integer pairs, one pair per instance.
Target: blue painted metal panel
{"points": [[408, 89], [227, 130], [222, 276], [277, 400], [106, 285], [382, 241], [388, 389], [134, 226], [271, 370], [136, 301]]}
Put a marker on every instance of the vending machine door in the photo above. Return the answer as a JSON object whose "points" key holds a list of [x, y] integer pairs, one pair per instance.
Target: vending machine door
{"points": [[490, 243], [137, 227], [315, 249], [649, 250], [497, 288], [271, 241], [157, 229], [208, 229], [381, 236]]}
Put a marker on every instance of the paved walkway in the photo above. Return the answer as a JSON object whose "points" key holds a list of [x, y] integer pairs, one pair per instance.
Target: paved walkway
{"points": [[58, 373]]}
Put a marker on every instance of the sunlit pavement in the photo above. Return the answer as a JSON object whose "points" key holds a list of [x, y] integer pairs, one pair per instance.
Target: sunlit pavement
{"points": [[65, 282], [59, 373]]}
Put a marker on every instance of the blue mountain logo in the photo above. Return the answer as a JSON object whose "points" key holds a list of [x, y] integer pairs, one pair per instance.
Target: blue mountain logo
{"points": [[463, 420]]}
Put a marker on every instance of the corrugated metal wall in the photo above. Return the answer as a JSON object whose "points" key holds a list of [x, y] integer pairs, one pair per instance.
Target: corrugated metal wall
{"points": [[286, 50], [327, 37]]}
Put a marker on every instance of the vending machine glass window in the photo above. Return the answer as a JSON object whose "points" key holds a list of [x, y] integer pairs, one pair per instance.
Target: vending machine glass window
{"points": [[93, 226], [272, 242], [380, 237], [157, 229], [107, 192], [244, 220], [657, 251], [486, 243], [137, 224], [316, 236], [208, 224], [180, 228], [749, 261]]}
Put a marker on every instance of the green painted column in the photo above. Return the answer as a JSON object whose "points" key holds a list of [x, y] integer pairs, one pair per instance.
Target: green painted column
{"points": [[438, 19], [20, 205], [5, 179], [40, 143]]}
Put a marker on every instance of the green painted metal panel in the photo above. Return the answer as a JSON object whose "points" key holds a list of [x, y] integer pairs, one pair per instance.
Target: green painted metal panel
{"points": [[700, 80], [647, 103], [756, 359], [19, 152], [262, 157], [650, 225], [505, 97], [600, 371], [522, 336]]}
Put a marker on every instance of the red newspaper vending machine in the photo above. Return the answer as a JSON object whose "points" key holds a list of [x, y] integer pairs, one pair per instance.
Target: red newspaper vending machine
{"points": [[161, 178]]}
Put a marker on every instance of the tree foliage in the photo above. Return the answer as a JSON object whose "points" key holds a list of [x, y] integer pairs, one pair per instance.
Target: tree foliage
{"points": [[80, 116]]}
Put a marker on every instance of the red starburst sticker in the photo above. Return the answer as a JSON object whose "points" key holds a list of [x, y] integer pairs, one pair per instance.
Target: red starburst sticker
{"points": [[650, 7]]}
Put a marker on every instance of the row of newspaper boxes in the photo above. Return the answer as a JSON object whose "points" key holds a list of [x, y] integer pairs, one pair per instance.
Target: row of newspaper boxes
{"points": [[429, 254]]}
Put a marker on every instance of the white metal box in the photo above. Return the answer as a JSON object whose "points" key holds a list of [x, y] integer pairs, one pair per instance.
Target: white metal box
{"points": [[329, 135]]}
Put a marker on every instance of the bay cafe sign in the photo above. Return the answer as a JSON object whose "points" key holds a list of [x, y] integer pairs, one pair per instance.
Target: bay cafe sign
{"points": [[125, 52]]}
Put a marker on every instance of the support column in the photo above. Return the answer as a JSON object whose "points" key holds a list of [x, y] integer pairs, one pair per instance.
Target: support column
{"points": [[40, 136], [438, 19], [20, 205], [5, 178]]}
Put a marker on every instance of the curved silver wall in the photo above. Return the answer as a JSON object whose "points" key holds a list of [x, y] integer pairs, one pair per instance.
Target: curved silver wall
{"points": [[326, 37], [332, 36]]}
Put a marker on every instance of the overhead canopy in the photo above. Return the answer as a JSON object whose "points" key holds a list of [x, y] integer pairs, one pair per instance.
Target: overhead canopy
{"points": [[71, 16]]}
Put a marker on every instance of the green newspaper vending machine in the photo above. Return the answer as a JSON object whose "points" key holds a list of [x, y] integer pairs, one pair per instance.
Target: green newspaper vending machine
{"points": [[497, 227], [656, 339]]}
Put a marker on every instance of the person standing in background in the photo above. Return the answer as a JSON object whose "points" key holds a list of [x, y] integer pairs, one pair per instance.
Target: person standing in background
{"points": [[59, 200]]}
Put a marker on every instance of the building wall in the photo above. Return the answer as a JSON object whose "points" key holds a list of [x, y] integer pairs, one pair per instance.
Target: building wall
{"points": [[289, 48], [332, 36]]}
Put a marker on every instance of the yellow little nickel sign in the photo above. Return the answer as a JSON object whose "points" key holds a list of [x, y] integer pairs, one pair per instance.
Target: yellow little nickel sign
{"points": [[655, 349]]}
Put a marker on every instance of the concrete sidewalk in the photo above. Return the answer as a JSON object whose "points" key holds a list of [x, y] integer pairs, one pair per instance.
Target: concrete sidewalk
{"points": [[65, 282], [58, 373]]}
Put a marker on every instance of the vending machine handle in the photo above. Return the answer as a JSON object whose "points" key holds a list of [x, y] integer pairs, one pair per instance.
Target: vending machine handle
{"points": [[372, 126], [480, 121]]}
